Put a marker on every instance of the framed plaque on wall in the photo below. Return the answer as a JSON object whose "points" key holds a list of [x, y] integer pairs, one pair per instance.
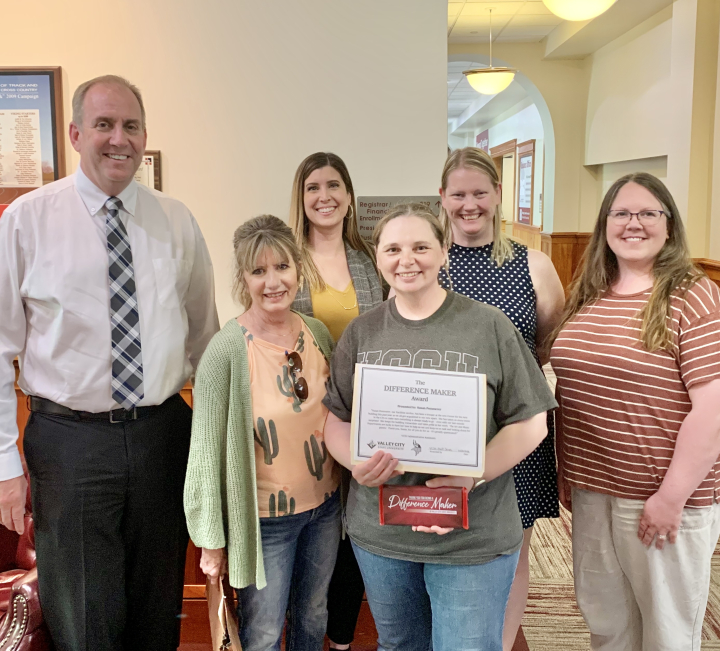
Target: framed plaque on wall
{"points": [[32, 145], [526, 173], [150, 171]]}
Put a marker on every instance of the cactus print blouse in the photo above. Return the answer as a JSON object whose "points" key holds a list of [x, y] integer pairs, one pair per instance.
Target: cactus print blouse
{"points": [[293, 469]]}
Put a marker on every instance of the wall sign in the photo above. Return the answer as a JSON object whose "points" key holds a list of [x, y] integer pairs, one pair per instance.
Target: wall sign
{"points": [[482, 141], [372, 209], [526, 172]]}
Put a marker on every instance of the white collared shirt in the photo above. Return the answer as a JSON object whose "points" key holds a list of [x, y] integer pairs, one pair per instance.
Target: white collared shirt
{"points": [[55, 298]]}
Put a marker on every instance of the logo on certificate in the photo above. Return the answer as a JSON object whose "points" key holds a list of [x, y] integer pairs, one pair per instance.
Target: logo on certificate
{"points": [[385, 445]]}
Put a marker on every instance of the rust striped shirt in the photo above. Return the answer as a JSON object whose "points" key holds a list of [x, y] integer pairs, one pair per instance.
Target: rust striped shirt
{"points": [[621, 406]]}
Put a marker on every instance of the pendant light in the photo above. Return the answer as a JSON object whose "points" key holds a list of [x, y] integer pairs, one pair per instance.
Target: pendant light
{"points": [[578, 9], [490, 81]]}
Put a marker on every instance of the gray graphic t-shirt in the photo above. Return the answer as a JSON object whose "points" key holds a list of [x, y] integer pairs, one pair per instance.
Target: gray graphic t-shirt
{"points": [[465, 336]]}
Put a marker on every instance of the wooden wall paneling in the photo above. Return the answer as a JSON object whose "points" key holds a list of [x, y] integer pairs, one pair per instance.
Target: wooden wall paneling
{"points": [[546, 244], [583, 239], [195, 623], [195, 627], [566, 250], [711, 268], [561, 254], [527, 235]]}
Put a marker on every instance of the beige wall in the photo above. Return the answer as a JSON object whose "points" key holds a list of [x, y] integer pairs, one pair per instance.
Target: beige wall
{"points": [[238, 92], [714, 239], [651, 107], [630, 99], [698, 176], [522, 123]]}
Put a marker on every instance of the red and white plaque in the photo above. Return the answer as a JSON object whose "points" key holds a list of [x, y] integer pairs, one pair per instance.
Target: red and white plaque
{"points": [[419, 505]]}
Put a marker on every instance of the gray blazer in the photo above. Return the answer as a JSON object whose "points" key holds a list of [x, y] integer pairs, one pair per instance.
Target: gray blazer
{"points": [[365, 280]]}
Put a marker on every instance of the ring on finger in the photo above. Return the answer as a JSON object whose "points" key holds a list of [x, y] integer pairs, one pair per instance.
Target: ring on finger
{"points": [[661, 536]]}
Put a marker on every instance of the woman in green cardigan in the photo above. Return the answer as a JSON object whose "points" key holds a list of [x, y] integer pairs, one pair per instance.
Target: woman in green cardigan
{"points": [[261, 496]]}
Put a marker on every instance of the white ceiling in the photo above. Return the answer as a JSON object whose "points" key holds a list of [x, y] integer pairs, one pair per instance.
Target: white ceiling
{"points": [[468, 112], [460, 93], [512, 21]]}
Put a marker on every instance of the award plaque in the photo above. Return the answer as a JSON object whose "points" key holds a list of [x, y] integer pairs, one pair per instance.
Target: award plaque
{"points": [[419, 505]]}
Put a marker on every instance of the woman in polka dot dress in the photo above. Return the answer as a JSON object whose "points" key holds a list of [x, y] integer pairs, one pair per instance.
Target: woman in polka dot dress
{"points": [[487, 266]]}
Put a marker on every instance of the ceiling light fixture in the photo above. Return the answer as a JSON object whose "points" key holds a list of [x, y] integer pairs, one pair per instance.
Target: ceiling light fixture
{"points": [[490, 81], [578, 9]]}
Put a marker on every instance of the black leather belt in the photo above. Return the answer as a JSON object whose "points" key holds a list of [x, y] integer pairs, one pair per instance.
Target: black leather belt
{"points": [[44, 406]]}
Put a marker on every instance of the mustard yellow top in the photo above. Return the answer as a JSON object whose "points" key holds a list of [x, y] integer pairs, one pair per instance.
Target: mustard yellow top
{"points": [[335, 308], [293, 469]]}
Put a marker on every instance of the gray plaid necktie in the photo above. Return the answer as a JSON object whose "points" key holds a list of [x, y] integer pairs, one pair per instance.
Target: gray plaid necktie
{"points": [[127, 371]]}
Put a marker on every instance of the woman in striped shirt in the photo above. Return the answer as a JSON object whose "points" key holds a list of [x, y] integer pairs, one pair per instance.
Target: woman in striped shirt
{"points": [[637, 358]]}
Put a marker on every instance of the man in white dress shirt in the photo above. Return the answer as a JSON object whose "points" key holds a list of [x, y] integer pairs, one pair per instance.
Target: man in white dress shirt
{"points": [[106, 297]]}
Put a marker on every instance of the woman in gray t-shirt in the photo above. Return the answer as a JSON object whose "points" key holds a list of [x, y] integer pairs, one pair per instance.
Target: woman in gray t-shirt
{"points": [[425, 583]]}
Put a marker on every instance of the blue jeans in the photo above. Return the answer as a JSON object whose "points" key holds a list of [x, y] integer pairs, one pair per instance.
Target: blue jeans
{"points": [[427, 606], [299, 555]]}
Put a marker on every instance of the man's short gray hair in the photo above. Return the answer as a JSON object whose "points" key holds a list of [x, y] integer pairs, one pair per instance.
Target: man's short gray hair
{"points": [[80, 92]]}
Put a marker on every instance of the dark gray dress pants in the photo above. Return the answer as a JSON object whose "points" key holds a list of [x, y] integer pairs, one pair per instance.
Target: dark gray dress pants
{"points": [[109, 527]]}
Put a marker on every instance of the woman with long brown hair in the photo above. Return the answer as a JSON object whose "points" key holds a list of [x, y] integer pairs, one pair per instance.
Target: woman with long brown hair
{"points": [[486, 265], [637, 358], [339, 282], [339, 276]]}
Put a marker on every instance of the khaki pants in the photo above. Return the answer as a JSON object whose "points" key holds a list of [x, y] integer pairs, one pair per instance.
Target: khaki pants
{"points": [[636, 598]]}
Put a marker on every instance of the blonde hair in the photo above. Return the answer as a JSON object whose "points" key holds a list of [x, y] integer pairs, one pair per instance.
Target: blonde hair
{"points": [[473, 158], [673, 268], [301, 225], [251, 240], [421, 211]]}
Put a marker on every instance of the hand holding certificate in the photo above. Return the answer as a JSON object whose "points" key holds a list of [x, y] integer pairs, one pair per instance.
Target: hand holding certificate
{"points": [[431, 421]]}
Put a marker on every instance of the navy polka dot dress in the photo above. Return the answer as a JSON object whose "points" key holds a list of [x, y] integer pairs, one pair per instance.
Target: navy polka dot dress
{"points": [[509, 288]]}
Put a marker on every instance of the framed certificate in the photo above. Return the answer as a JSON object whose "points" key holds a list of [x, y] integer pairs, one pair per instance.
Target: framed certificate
{"points": [[432, 421], [149, 173], [31, 130]]}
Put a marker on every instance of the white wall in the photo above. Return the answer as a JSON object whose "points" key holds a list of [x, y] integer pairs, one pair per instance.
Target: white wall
{"points": [[522, 122], [630, 99], [238, 92], [605, 175]]}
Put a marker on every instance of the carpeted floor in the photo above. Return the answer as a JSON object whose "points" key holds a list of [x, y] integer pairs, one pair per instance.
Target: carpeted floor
{"points": [[552, 621]]}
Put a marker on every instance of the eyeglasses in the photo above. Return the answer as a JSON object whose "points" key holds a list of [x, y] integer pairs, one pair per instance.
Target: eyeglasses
{"points": [[300, 385], [645, 217]]}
